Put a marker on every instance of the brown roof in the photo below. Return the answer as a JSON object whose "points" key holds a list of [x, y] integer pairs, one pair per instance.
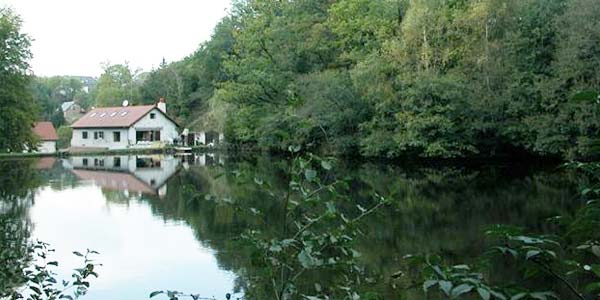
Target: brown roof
{"points": [[115, 117], [45, 163], [46, 131], [118, 116], [115, 181]]}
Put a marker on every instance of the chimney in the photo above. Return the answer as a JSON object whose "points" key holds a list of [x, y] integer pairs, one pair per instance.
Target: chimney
{"points": [[162, 105]]}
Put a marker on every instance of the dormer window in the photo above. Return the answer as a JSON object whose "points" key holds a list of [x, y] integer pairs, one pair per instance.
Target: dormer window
{"points": [[102, 115], [114, 113], [123, 113], [93, 115]]}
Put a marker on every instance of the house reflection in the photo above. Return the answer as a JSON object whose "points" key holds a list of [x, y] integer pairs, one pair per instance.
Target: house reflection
{"points": [[146, 174], [207, 159]]}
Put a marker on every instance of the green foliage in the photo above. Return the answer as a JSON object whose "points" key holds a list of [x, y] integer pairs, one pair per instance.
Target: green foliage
{"points": [[64, 137], [18, 112], [41, 282], [568, 258], [51, 92], [310, 249], [316, 237], [425, 78], [117, 83], [189, 85]]}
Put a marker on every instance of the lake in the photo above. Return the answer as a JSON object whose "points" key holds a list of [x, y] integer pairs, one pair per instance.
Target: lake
{"points": [[174, 222]]}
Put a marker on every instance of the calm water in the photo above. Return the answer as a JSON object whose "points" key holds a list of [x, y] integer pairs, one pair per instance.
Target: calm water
{"points": [[156, 227]]}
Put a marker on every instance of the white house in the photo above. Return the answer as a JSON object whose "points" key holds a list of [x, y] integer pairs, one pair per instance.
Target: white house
{"points": [[47, 135], [122, 127]]}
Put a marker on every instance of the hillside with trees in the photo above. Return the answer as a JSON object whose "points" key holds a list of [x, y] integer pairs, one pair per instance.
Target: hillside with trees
{"points": [[389, 78], [397, 78]]}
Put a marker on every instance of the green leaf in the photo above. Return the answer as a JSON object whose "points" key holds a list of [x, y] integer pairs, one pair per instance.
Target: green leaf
{"points": [[326, 165], [498, 295], [330, 207], [429, 283], [310, 174], [294, 149], [155, 293], [596, 250], [483, 293], [596, 269], [518, 296], [461, 267], [35, 289], [532, 253], [589, 95], [275, 248], [362, 209], [592, 287], [445, 286], [308, 261], [543, 295], [461, 289]]}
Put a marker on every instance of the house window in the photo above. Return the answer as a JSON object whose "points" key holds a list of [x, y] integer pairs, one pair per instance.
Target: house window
{"points": [[152, 116], [84, 135], [98, 135], [85, 162], [147, 162], [98, 162], [147, 135], [117, 162], [116, 136]]}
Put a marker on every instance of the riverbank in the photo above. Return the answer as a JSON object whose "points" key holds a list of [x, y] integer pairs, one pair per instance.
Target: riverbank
{"points": [[63, 153]]}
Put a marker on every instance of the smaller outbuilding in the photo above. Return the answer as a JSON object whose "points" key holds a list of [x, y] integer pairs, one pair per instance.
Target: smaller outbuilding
{"points": [[72, 111], [47, 135]]}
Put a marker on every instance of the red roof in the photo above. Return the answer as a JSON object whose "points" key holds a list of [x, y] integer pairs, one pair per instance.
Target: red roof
{"points": [[115, 181], [118, 116], [46, 131], [45, 163]]}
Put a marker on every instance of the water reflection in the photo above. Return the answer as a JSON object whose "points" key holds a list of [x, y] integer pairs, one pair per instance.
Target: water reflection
{"points": [[174, 222], [132, 174]]}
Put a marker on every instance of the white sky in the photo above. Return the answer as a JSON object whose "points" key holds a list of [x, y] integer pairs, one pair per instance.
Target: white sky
{"points": [[73, 37]]}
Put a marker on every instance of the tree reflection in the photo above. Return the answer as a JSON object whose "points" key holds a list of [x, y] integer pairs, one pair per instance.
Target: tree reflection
{"points": [[441, 210], [17, 182]]}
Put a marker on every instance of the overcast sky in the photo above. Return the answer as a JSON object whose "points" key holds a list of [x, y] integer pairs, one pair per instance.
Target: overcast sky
{"points": [[73, 37]]}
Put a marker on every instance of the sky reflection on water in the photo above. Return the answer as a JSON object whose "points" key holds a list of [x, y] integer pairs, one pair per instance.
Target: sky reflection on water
{"points": [[140, 252]]}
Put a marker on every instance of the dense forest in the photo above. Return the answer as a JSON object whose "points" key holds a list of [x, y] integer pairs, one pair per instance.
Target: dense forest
{"points": [[386, 78], [394, 78]]}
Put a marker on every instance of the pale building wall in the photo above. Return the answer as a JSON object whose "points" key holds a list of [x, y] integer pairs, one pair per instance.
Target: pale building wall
{"points": [[157, 176], [108, 141], [201, 138], [47, 147], [168, 129]]}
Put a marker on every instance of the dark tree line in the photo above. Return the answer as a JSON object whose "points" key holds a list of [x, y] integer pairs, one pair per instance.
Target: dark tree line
{"points": [[393, 78], [388, 78]]}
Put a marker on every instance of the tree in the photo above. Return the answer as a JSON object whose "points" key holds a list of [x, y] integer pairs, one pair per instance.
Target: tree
{"points": [[116, 84], [18, 112]]}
